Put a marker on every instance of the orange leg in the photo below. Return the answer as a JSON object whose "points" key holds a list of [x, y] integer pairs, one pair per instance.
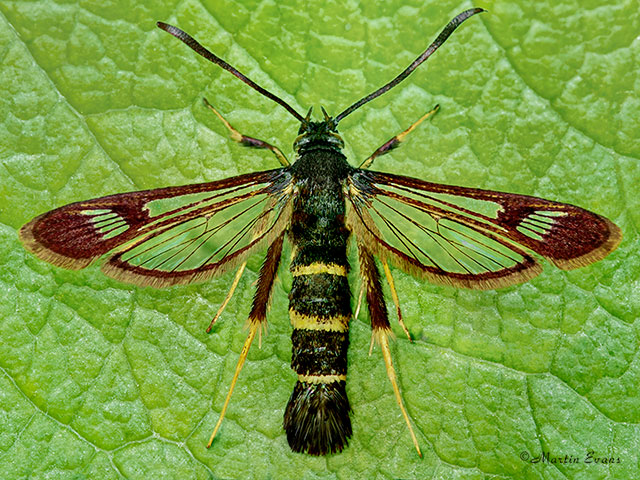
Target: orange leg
{"points": [[257, 316], [380, 326], [394, 296], [253, 328], [232, 290]]}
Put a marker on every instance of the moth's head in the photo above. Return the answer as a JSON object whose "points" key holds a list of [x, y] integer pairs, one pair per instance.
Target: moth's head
{"points": [[318, 135]]}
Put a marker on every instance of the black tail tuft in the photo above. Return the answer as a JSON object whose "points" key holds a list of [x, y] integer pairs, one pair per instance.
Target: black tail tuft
{"points": [[317, 418]]}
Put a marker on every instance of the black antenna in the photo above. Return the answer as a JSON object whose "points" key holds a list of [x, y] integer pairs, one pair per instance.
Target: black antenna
{"points": [[448, 30], [195, 46]]}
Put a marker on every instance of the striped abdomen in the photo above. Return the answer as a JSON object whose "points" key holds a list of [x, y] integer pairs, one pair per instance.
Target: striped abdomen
{"points": [[317, 416]]}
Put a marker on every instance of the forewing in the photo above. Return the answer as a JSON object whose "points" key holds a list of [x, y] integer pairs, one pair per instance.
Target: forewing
{"points": [[469, 237], [166, 236]]}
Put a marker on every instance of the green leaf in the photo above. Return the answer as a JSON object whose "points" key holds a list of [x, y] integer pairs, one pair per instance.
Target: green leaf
{"points": [[104, 380]]}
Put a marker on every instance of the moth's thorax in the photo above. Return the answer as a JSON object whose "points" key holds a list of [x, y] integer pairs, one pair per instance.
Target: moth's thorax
{"points": [[317, 227], [318, 136], [320, 169]]}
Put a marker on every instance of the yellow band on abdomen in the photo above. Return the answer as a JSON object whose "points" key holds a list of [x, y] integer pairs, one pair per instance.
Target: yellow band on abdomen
{"points": [[338, 323], [318, 267], [321, 378]]}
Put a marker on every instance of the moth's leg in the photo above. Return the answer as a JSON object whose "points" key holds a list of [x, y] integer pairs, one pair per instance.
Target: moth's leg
{"points": [[232, 290], [380, 325], [253, 328], [359, 300], [395, 141], [257, 316], [249, 141], [394, 296], [360, 294], [266, 280], [258, 230]]}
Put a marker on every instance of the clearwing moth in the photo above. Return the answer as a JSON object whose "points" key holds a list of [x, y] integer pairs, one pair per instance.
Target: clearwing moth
{"points": [[457, 236]]}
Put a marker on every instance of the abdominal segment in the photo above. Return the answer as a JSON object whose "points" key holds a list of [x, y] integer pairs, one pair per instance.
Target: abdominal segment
{"points": [[317, 416]]}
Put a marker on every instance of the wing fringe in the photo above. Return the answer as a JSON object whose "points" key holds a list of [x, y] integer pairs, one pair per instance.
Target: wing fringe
{"points": [[26, 236]]}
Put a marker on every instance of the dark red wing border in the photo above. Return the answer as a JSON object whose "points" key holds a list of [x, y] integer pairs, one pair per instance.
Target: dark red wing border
{"points": [[572, 237], [66, 237]]}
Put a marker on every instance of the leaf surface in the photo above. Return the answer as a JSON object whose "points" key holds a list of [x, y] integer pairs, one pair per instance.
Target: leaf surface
{"points": [[99, 379]]}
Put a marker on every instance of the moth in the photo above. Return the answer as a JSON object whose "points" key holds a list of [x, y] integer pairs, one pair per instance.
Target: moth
{"points": [[450, 235]]}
